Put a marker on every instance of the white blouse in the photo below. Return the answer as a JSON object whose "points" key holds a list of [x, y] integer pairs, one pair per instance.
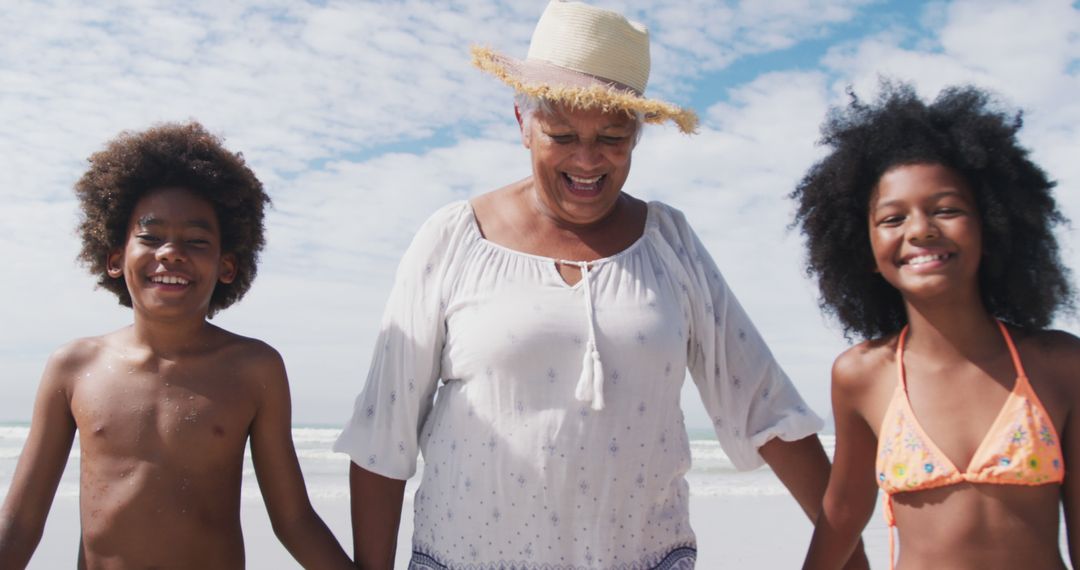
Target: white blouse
{"points": [[532, 459]]}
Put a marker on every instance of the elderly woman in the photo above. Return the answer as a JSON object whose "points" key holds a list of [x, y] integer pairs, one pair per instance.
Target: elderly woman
{"points": [[560, 314]]}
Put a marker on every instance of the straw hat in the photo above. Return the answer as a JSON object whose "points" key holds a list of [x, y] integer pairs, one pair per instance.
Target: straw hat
{"points": [[586, 57]]}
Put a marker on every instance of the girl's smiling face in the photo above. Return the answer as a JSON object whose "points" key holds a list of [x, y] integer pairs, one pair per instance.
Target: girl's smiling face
{"points": [[925, 231]]}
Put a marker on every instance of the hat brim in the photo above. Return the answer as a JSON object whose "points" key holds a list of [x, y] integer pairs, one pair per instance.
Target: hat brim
{"points": [[577, 89]]}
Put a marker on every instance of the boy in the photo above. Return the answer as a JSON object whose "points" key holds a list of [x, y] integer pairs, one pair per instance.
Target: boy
{"points": [[173, 224]]}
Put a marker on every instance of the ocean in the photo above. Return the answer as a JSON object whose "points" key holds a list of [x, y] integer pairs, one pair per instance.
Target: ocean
{"points": [[711, 474], [729, 500]]}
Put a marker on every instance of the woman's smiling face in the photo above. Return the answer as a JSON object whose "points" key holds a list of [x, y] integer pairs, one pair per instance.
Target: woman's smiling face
{"points": [[580, 161]]}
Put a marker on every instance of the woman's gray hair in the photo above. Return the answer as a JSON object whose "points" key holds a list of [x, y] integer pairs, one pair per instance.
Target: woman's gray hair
{"points": [[528, 105]]}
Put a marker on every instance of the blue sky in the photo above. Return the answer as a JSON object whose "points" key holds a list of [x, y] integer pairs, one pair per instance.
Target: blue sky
{"points": [[363, 117]]}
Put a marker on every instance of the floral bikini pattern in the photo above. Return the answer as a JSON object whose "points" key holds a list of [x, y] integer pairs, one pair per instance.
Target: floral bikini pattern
{"points": [[1021, 447], [1019, 459], [914, 465]]}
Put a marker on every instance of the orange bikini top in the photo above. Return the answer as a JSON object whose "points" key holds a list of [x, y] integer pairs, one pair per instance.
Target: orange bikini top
{"points": [[1021, 448]]}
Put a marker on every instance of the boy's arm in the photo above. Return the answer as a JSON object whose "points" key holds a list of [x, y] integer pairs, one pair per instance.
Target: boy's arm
{"points": [[281, 482], [851, 492], [376, 515], [52, 429]]}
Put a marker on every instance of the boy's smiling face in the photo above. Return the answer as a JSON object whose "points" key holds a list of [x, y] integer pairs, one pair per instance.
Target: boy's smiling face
{"points": [[172, 259]]}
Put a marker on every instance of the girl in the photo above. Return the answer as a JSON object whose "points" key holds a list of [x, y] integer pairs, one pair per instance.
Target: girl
{"points": [[930, 233]]}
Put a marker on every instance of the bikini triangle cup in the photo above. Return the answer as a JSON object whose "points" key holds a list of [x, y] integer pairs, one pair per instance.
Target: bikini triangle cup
{"points": [[1021, 447]]}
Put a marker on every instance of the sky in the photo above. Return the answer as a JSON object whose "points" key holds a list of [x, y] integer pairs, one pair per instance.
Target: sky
{"points": [[363, 117]]}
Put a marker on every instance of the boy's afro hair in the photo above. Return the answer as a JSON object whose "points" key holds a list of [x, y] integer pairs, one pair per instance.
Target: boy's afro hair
{"points": [[171, 155], [1021, 277]]}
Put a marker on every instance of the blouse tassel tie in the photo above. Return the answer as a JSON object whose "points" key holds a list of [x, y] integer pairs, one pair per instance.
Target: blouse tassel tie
{"points": [[590, 387]]}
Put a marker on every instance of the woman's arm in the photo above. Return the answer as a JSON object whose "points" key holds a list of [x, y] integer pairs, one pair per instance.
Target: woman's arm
{"points": [[803, 467], [376, 515], [851, 491], [383, 433]]}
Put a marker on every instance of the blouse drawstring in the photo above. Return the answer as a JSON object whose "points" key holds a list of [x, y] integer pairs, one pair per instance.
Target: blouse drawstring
{"points": [[590, 387]]}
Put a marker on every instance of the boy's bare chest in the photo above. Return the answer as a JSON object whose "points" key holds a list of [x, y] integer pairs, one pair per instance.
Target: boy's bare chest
{"points": [[155, 415]]}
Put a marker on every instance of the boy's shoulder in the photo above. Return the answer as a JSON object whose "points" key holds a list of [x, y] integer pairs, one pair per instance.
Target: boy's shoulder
{"points": [[241, 350], [236, 350], [75, 359], [80, 352], [253, 366]]}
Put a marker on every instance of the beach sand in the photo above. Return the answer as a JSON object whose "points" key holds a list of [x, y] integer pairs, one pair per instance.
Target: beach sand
{"points": [[767, 532]]}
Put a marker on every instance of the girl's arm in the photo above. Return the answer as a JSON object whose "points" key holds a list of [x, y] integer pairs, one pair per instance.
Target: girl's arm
{"points": [[1070, 490], [1055, 357], [1070, 448], [851, 491]]}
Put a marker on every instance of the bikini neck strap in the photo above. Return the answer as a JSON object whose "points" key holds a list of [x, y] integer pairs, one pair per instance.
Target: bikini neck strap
{"points": [[1013, 353]]}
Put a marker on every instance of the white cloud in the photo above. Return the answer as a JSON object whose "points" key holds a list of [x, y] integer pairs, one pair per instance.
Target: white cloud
{"points": [[363, 117], [1028, 53], [984, 36]]}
